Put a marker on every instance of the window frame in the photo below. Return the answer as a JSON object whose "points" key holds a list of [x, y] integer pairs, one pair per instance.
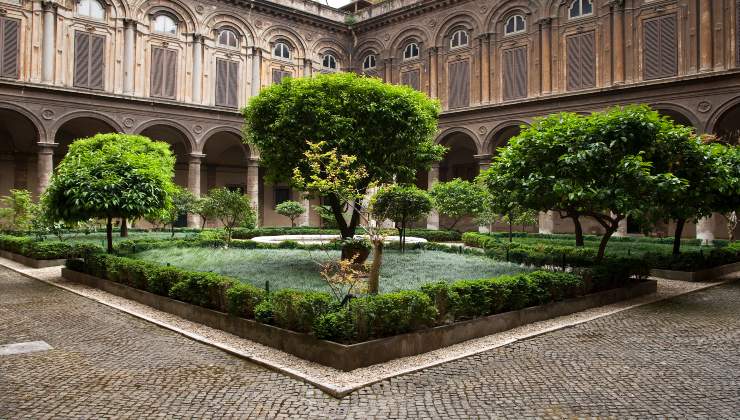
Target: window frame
{"points": [[224, 30], [89, 16], [374, 62], [330, 58], [409, 48], [457, 35], [284, 47], [516, 31], [580, 9], [169, 16]]}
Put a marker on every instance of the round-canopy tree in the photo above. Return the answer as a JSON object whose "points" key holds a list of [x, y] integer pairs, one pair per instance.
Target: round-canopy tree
{"points": [[389, 129], [290, 209], [402, 204], [457, 199], [112, 176]]}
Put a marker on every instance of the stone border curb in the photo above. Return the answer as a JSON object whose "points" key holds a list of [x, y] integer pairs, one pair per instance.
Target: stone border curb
{"points": [[331, 381], [701, 275], [31, 262]]}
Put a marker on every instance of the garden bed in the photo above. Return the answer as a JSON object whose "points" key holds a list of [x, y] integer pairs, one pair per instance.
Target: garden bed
{"points": [[699, 275], [32, 262], [353, 356]]}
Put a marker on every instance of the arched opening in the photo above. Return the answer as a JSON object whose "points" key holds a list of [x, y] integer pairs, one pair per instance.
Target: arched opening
{"points": [[459, 162], [18, 152], [501, 137], [727, 128], [225, 164], [677, 117], [179, 144], [75, 129]]}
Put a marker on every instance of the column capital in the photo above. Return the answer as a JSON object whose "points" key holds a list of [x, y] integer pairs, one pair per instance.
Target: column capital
{"points": [[617, 5], [253, 162], [546, 21], [484, 158], [49, 6], [46, 148], [196, 157], [129, 23]]}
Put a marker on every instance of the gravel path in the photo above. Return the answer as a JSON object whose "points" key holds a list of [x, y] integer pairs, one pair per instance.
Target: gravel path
{"points": [[678, 357]]}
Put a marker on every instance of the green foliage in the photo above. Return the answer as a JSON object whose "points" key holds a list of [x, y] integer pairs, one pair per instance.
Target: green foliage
{"points": [[205, 207], [243, 299], [401, 203], [43, 250], [297, 311], [290, 209], [232, 208], [17, 211], [183, 202], [457, 199], [203, 289]]}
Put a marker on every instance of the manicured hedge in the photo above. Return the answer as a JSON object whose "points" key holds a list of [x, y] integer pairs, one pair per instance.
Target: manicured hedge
{"points": [[428, 234], [43, 250], [360, 319]]}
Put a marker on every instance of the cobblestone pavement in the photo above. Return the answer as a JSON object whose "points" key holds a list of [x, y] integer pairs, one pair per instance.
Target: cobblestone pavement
{"points": [[676, 358]]}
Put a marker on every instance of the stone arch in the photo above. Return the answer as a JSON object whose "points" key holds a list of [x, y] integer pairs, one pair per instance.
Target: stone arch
{"points": [[226, 161], [180, 141], [280, 32], [459, 20], [178, 8], [500, 135], [413, 34], [460, 159], [678, 114], [20, 133], [725, 122], [119, 8], [90, 115], [79, 125], [221, 19], [330, 46], [496, 18]]}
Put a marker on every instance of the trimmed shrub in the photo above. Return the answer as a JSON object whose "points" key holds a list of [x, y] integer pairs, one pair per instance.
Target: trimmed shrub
{"points": [[203, 289], [296, 310], [44, 250], [162, 279], [243, 298]]}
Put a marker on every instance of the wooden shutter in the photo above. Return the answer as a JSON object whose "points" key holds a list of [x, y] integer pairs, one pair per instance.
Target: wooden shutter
{"points": [[82, 59], [227, 83], [737, 32], [170, 74], [515, 73], [163, 78], [96, 78], [458, 84], [157, 72], [9, 48], [412, 79], [660, 47], [279, 75], [581, 59]]}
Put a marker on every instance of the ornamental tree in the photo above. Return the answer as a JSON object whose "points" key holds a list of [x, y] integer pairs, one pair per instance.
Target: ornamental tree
{"points": [[290, 209], [457, 199], [388, 129], [183, 202], [17, 210], [112, 176], [231, 208], [402, 204]]}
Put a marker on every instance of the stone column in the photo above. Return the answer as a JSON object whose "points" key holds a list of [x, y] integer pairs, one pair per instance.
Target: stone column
{"points": [[307, 68], [705, 230], [7, 172], [48, 46], [256, 71], [485, 69], [388, 70], [253, 185], [433, 178], [546, 222], [306, 216], [618, 44], [433, 60], [545, 25], [484, 161], [705, 35], [45, 166], [129, 60], [197, 68], [194, 176], [622, 229]]}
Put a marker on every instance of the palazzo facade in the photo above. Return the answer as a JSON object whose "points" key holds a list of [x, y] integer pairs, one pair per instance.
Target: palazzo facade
{"points": [[178, 71]]}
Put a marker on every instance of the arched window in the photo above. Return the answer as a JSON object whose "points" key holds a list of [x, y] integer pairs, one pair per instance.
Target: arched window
{"points": [[581, 8], [329, 62], [281, 50], [91, 8], [459, 39], [411, 51], [228, 38], [369, 62], [515, 24], [164, 24]]}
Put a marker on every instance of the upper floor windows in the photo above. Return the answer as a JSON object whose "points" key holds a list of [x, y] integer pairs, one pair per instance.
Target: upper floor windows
{"points": [[164, 24], [91, 9], [459, 39], [515, 24], [369, 63], [411, 51], [228, 38], [580, 8], [281, 50], [329, 62], [10, 37]]}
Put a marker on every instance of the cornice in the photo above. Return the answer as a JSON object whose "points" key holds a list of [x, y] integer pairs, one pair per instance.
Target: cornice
{"points": [[278, 10], [400, 14]]}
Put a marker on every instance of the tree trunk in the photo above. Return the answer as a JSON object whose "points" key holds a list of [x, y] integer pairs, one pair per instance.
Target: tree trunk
{"points": [[680, 223], [578, 231], [374, 279], [511, 230], [124, 228], [172, 230], [203, 223], [604, 241], [109, 234]]}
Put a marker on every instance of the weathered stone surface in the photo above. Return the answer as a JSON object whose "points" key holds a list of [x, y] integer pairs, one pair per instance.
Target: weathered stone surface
{"points": [[677, 358]]}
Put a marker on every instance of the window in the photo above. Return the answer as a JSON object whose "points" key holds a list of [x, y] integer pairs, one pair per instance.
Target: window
{"points": [[282, 194], [329, 62], [411, 51], [228, 38], [660, 50], [581, 58], [164, 24], [9, 47], [459, 39], [89, 60], [281, 50], [164, 73], [227, 83], [458, 82], [90, 8], [581, 8], [515, 73], [515, 24], [369, 62], [279, 75], [412, 79]]}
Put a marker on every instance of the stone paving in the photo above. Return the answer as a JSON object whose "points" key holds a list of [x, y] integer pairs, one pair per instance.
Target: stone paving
{"points": [[676, 358]]}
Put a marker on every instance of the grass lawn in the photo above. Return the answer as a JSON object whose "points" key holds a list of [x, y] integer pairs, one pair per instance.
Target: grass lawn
{"points": [[615, 246], [98, 238], [298, 269]]}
